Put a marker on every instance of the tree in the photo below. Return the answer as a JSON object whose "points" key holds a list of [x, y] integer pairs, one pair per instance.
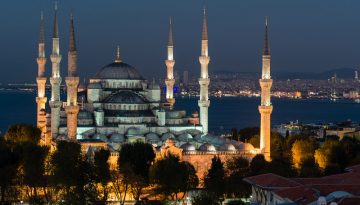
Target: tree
{"points": [[234, 134], [331, 155], [20, 133], [102, 172], [309, 168], [237, 168], [214, 180], [255, 140], [9, 162], [72, 173], [249, 132], [172, 176], [204, 199], [258, 165], [134, 163], [301, 150], [33, 169]]}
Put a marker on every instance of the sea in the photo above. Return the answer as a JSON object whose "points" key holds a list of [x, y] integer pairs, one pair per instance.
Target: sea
{"points": [[225, 113]]}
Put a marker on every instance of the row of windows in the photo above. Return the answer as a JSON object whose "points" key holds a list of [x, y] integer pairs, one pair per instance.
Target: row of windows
{"points": [[121, 84], [125, 107]]}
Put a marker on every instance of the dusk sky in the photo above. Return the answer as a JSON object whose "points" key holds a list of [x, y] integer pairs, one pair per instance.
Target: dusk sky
{"points": [[305, 35]]}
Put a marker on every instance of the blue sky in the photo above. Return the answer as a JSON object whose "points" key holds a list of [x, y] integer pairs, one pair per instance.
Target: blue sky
{"points": [[305, 35]]}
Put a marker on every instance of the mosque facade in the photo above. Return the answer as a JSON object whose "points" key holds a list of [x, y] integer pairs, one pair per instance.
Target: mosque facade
{"points": [[121, 106]]}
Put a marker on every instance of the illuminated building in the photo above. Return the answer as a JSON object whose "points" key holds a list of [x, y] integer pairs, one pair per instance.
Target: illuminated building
{"points": [[265, 107]]}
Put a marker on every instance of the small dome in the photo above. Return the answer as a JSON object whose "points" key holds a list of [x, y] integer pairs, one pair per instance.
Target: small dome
{"points": [[188, 147], [116, 137], [133, 131], [151, 136], [246, 147], [84, 114], [228, 148], [206, 147], [167, 136], [118, 70], [185, 137], [125, 97]]}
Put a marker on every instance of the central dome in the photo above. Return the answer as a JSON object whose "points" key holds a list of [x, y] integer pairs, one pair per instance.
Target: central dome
{"points": [[125, 97], [119, 70]]}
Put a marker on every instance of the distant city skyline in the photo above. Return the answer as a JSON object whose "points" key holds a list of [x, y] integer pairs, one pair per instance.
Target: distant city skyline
{"points": [[306, 35]]}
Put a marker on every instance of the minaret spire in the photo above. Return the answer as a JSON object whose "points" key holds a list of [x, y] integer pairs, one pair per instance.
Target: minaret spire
{"points": [[56, 25], [170, 39], [204, 80], [42, 29], [41, 82], [204, 31], [170, 62], [118, 59], [72, 45], [266, 49], [265, 107], [72, 83]]}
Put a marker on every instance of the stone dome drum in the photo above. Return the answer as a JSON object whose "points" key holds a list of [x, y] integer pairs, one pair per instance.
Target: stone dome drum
{"points": [[118, 70]]}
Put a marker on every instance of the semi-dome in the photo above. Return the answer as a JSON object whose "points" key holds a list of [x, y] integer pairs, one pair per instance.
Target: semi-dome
{"points": [[133, 131], [116, 137], [206, 147], [118, 70], [228, 148], [185, 137], [125, 97], [151, 136], [188, 147], [246, 147], [167, 136]]}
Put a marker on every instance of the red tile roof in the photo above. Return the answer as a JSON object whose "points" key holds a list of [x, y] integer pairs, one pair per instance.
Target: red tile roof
{"points": [[349, 201], [271, 181], [299, 195]]}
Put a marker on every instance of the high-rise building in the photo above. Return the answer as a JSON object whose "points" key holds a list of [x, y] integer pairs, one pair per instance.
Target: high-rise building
{"points": [[356, 78], [265, 107], [185, 79]]}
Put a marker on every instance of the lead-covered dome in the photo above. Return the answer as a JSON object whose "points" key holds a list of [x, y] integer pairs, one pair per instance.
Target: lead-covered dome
{"points": [[206, 147], [188, 147], [125, 97], [118, 70]]}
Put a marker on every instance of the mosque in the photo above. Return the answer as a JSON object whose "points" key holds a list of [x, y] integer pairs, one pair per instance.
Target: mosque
{"points": [[121, 106]]}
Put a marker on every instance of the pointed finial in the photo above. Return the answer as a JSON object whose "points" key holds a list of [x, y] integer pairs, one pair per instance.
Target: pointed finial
{"points": [[42, 29], [72, 45], [56, 27], [266, 49], [204, 31], [170, 39], [118, 60]]}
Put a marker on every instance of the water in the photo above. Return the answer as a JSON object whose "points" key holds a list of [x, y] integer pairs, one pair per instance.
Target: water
{"points": [[224, 113]]}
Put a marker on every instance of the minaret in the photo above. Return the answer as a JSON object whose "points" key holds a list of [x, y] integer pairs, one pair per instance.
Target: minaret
{"points": [[204, 80], [170, 62], [55, 79], [72, 83], [41, 81], [265, 108]]}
